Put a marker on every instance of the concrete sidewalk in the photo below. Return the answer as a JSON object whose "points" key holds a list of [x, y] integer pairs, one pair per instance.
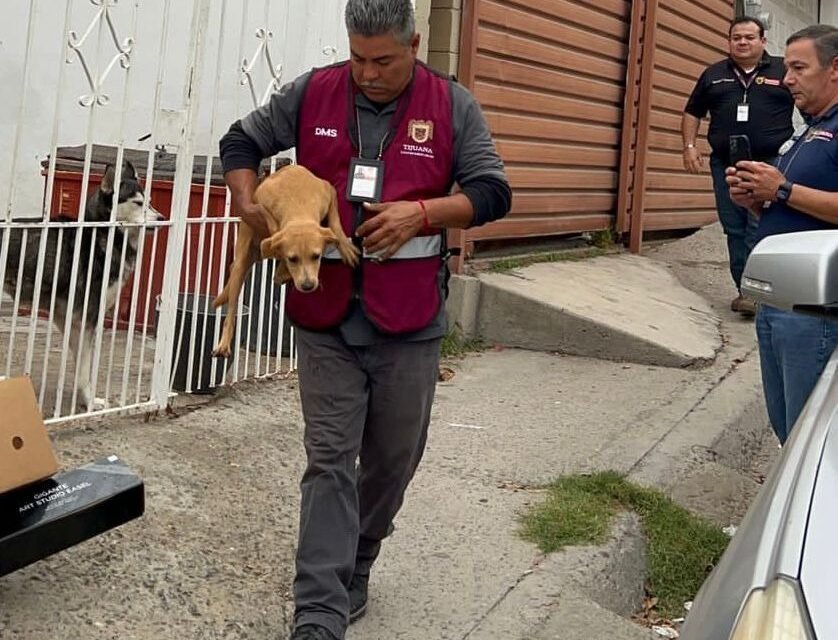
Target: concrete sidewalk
{"points": [[213, 557]]}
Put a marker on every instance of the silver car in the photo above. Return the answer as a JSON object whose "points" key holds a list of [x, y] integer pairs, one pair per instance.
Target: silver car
{"points": [[779, 577]]}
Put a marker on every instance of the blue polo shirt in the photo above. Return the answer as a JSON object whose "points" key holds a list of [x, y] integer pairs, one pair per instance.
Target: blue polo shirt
{"points": [[812, 161]]}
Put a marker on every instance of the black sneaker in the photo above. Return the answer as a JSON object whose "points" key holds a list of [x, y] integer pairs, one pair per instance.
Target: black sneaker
{"points": [[358, 597], [312, 632]]}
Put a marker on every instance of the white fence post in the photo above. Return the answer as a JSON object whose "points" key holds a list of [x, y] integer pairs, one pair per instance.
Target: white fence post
{"points": [[180, 204]]}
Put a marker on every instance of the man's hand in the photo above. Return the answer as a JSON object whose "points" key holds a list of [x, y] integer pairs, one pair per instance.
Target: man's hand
{"points": [[693, 162], [242, 183], [394, 224], [741, 195], [760, 179]]}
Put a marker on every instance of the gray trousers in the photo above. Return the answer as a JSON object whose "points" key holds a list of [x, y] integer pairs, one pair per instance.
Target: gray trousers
{"points": [[372, 404]]}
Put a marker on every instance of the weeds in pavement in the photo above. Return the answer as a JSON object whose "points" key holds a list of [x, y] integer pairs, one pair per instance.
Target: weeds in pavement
{"points": [[682, 548], [455, 345], [510, 264]]}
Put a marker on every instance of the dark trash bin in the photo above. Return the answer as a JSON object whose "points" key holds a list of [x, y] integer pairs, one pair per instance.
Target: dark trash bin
{"points": [[271, 313], [202, 379]]}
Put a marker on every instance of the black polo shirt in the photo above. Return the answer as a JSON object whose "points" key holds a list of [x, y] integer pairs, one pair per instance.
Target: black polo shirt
{"points": [[722, 88]]}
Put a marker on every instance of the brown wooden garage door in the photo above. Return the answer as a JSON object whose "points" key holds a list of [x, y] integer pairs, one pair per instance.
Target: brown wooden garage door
{"points": [[550, 75], [689, 36]]}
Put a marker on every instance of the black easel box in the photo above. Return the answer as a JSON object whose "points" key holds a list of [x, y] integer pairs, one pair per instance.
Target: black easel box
{"points": [[49, 516]]}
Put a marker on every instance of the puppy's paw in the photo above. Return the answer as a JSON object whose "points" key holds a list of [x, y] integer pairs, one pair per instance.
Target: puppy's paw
{"points": [[221, 350], [349, 253]]}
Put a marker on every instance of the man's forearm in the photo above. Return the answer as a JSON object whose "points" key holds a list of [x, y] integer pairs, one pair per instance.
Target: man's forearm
{"points": [[450, 212], [242, 184], [689, 129], [822, 205]]}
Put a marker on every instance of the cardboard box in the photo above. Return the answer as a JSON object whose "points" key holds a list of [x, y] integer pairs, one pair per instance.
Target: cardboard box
{"points": [[26, 454]]}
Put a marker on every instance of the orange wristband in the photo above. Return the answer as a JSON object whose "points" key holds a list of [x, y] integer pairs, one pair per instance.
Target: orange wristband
{"points": [[426, 222]]}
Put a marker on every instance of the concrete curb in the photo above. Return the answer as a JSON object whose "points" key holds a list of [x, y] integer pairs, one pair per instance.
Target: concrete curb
{"points": [[605, 582], [621, 308], [727, 425]]}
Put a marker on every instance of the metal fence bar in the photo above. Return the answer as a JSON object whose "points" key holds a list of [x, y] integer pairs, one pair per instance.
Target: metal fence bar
{"points": [[7, 213], [52, 300], [182, 312], [141, 365], [62, 75], [16, 302], [158, 91], [100, 322], [82, 334], [27, 72], [114, 325], [180, 204], [92, 101], [47, 208]]}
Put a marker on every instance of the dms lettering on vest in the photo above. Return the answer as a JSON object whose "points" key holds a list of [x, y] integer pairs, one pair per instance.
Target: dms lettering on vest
{"points": [[401, 294]]}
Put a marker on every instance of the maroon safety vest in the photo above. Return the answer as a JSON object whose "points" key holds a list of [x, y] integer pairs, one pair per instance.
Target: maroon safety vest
{"points": [[401, 294]]}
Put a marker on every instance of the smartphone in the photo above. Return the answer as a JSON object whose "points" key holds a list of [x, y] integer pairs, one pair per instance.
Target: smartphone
{"points": [[740, 148]]}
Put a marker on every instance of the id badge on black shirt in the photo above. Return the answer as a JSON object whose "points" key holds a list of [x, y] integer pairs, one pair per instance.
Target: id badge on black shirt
{"points": [[366, 178]]}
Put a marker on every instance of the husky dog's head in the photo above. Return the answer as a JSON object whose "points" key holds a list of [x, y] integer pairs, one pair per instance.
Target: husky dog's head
{"points": [[130, 197]]}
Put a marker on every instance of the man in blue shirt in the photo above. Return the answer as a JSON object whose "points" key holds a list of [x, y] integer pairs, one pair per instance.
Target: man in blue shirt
{"points": [[798, 192]]}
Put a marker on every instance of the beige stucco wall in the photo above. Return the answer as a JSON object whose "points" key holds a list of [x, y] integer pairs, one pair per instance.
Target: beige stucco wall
{"points": [[444, 38], [422, 11]]}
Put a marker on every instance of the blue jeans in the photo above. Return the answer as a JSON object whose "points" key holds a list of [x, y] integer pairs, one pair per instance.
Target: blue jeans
{"points": [[739, 224], [793, 350]]}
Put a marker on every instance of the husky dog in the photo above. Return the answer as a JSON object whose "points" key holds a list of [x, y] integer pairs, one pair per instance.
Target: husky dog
{"points": [[93, 251]]}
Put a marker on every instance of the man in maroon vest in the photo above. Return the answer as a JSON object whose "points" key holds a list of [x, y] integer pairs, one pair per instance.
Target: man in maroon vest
{"points": [[393, 137]]}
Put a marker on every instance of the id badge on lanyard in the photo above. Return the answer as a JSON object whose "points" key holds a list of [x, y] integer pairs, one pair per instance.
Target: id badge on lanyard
{"points": [[743, 109], [366, 178]]}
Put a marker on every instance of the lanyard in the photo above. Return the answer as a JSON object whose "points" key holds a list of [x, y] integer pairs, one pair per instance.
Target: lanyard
{"points": [[354, 118], [745, 84], [361, 137]]}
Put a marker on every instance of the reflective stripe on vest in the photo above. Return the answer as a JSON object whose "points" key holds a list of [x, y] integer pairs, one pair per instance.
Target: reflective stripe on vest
{"points": [[418, 247]]}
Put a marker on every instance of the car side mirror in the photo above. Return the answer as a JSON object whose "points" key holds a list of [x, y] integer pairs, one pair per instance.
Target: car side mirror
{"points": [[795, 272]]}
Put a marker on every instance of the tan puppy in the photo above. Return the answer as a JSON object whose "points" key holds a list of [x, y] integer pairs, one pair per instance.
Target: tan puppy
{"points": [[294, 202]]}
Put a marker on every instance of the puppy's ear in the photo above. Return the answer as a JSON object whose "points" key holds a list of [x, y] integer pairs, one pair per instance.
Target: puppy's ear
{"points": [[107, 180], [328, 235], [270, 247]]}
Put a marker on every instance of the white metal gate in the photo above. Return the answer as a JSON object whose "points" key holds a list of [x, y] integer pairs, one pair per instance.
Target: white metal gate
{"points": [[155, 83]]}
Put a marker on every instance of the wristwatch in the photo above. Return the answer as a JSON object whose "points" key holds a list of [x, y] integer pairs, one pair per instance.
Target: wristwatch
{"points": [[784, 191]]}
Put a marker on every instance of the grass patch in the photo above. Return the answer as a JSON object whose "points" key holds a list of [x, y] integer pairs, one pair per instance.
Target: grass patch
{"points": [[455, 345], [510, 264], [682, 547]]}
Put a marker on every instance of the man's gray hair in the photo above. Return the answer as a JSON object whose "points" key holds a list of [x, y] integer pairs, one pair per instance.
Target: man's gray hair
{"points": [[825, 37], [379, 17]]}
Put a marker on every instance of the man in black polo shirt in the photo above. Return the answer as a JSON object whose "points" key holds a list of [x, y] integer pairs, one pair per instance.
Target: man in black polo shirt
{"points": [[798, 192], [744, 95]]}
